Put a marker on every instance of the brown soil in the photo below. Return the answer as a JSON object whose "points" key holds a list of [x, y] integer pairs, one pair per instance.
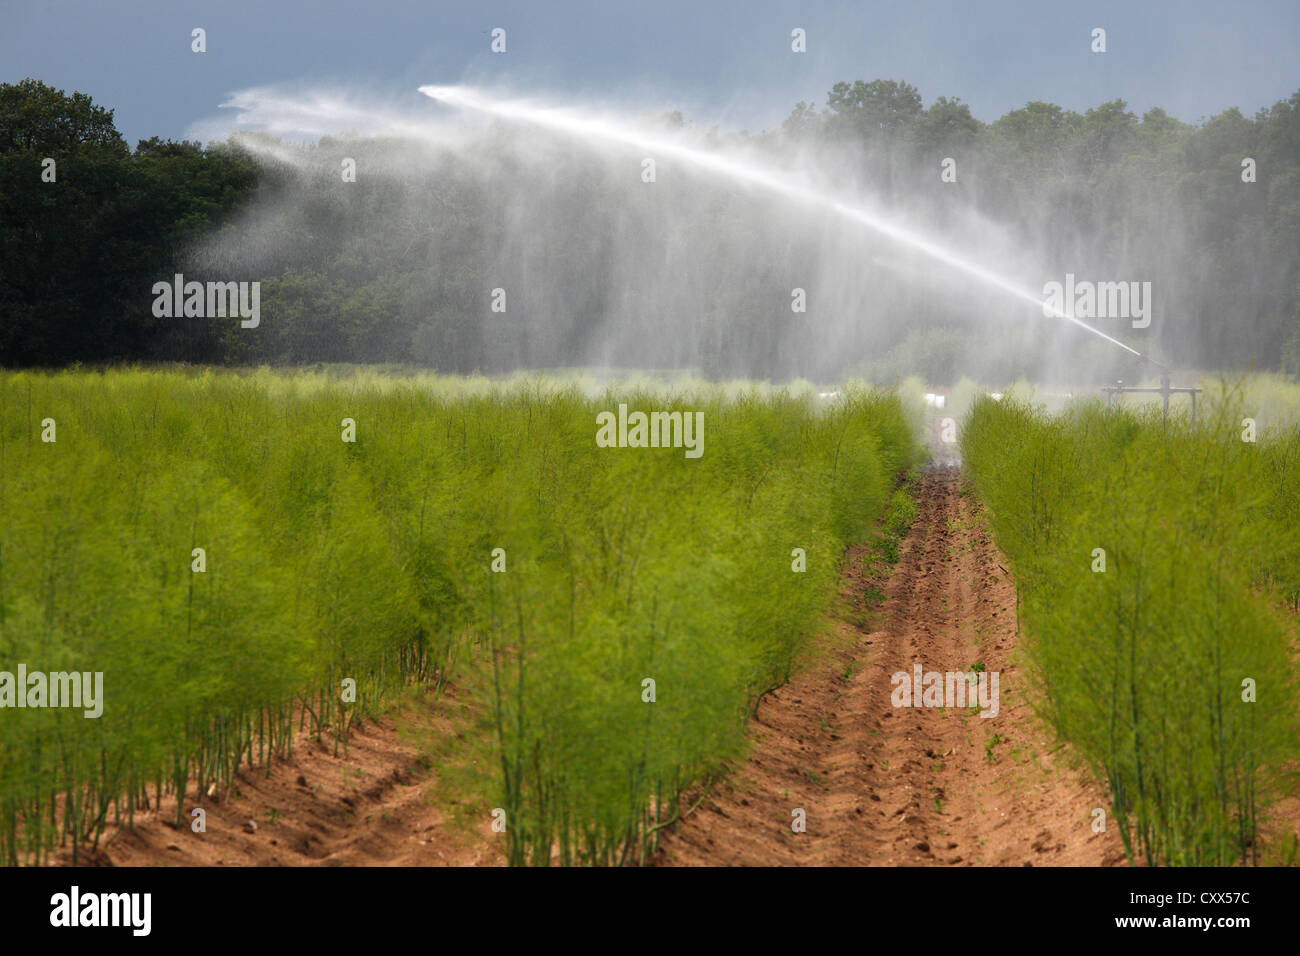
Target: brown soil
{"points": [[906, 786], [367, 807]]}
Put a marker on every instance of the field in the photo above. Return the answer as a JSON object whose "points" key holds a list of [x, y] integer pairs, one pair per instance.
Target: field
{"points": [[265, 568], [1158, 565], [239, 570]]}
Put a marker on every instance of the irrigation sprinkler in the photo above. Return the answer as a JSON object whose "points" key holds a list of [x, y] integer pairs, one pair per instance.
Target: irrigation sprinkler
{"points": [[1164, 389]]}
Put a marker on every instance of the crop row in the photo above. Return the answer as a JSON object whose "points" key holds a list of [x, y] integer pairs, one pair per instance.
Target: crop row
{"points": [[620, 609], [1158, 566]]}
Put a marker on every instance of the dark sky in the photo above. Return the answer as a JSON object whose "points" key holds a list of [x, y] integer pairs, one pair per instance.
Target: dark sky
{"points": [[724, 62]]}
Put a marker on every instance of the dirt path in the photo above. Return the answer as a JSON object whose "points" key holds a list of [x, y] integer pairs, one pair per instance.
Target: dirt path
{"points": [[891, 786]]}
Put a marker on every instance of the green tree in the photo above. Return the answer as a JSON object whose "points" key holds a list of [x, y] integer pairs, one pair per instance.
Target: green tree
{"points": [[37, 117], [804, 122], [79, 255], [871, 109], [946, 127]]}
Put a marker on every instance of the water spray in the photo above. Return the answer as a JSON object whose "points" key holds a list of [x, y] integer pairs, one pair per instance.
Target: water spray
{"points": [[582, 126]]}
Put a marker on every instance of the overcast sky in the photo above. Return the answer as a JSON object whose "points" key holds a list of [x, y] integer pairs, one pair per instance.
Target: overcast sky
{"points": [[722, 62]]}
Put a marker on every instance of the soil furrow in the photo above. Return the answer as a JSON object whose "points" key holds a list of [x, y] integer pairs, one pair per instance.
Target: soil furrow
{"points": [[886, 785]]}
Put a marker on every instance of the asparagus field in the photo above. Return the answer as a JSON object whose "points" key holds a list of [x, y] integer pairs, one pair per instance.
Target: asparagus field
{"points": [[240, 557], [1158, 567]]}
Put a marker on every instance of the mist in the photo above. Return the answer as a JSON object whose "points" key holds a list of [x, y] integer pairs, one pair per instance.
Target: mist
{"points": [[491, 232]]}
